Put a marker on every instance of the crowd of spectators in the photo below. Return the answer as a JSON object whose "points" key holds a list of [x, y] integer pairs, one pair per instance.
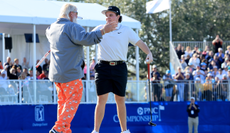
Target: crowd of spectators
{"points": [[14, 70], [208, 72]]}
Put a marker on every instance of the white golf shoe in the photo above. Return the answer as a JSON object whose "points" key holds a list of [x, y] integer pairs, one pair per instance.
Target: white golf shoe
{"points": [[94, 131], [127, 131]]}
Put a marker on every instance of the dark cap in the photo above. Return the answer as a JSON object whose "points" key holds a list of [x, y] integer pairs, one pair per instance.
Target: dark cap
{"points": [[113, 9]]}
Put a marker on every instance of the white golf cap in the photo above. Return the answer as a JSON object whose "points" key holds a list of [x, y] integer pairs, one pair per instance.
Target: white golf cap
{"points": [[192, 98], [3, 72]]}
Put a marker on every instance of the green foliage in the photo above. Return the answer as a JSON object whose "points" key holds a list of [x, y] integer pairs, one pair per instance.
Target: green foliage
{"points": [[192, 20]]}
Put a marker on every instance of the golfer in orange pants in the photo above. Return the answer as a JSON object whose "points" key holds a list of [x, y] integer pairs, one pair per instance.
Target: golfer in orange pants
{"points": [[69, 98]]}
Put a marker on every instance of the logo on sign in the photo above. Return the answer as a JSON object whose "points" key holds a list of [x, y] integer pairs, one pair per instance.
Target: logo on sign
{"points": [[39, 113], [140, 111], [143, 114]]}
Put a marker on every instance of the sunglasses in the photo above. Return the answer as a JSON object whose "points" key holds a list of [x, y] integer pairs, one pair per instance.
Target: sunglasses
{"points": [[75, 12]]}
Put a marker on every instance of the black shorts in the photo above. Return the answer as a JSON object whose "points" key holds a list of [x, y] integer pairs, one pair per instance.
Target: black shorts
{"points": [[110, 78]]}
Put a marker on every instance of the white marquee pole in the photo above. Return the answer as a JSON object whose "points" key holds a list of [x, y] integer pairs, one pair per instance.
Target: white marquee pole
{"points": [[3, 48], [137, 70], [34, 63]]}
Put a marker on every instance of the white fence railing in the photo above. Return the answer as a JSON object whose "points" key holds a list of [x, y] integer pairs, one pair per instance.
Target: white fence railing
{"points": [[44, 92], [24, 92]]}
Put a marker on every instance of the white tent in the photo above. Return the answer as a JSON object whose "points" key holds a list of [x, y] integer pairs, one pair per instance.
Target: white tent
{"points": [[34, 16], [18, 16]]}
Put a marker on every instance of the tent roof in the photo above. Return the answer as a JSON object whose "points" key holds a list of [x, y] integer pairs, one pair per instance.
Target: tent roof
{"points": [[17, 16]]}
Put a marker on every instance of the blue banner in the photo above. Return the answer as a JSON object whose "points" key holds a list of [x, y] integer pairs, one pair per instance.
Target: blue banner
{"points": [[170, 117]]}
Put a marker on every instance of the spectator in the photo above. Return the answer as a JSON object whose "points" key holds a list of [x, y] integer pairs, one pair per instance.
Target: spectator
{"points": [[42, 75], [217, 61], [202, 57], [156, 86], [195, 50], [215, 71], [155, 71], [179, 51], [180, 85], [186, 86], [228, 75], [207, 95], [194, 61], [220, 74], [216, 89], [25, 64], [183, 63], [225, 87], [225, 63], [5, 68], [8, 65], [199, 73], [18, 71], [128, 96], [198, 89], [1, 67], [205, 61], [16, 64], [220, 55], [227, 52], [39, 68], [37, 74], [198, 52], [189, 71], [187, 59], [211, 65], [188, 52], [91, 69], [193, 119], [22, 76], [209, 56], [30, 77], [217, 42], [206, 50], [3, 83], [168, 82], [12, 74], [203, 66], [3, 75], [25, 70], [225, 70], [45, 66]]}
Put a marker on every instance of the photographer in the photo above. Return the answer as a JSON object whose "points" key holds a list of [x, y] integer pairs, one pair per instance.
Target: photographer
{"points": [[193, 119], [217, 42]]}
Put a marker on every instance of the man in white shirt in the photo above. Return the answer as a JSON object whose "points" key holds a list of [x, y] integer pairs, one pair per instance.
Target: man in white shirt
{"points": [[199, 73], [220, 75], [111, 70], [3, 83]]}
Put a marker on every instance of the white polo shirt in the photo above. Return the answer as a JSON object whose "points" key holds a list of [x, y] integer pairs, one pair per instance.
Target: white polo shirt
{"points": [[114, 45]]}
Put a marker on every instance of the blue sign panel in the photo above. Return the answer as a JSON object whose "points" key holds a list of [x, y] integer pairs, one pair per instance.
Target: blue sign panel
{"points": [[170, 117]]}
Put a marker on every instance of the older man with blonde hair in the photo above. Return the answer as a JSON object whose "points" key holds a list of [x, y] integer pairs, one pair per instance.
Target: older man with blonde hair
{"points": [[67, 39]]}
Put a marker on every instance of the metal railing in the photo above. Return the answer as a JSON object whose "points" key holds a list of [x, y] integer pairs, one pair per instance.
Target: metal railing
{"points": [[184, 90], [23, 91], [44, 92]]}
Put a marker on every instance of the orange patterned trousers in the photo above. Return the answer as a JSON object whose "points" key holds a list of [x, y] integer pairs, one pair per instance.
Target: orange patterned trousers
{"points": [[69, 97]]}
